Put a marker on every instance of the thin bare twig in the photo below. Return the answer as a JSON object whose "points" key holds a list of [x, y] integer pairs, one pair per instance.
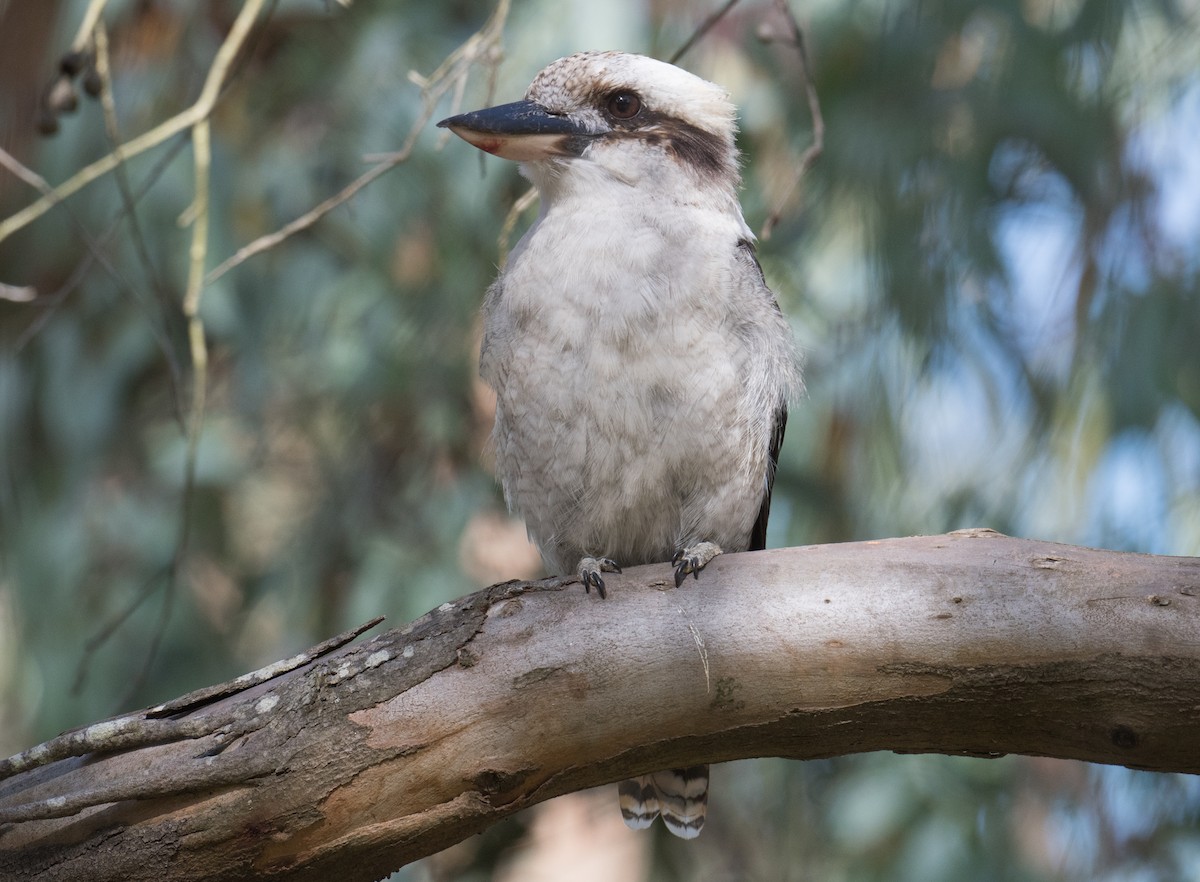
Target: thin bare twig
{"points": [[158, 323], [164, 614], [480, 48], [87, 26], [109, 628], [95, 246], [453, 72], [813, 152], [113, 130], [53, 301], [304, 221], [198, 216], [523, 204], [186, 119], [99, 168], [705, 26], [223, 61], [22, 171]]}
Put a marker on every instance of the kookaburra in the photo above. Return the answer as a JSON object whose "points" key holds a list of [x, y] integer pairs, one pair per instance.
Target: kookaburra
{"points": [[642, 367]]}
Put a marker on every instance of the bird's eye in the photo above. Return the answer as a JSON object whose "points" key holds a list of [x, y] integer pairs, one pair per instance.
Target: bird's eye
{"points": [[624, 105]]}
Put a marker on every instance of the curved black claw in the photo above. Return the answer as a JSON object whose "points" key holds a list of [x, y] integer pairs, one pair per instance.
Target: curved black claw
{"points": [[693, 559], [685, 566], [591, 579], [589, 571]]}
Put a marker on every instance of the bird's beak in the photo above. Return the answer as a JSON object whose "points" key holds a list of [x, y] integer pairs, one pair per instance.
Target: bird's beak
{"points": [[522, 131]]}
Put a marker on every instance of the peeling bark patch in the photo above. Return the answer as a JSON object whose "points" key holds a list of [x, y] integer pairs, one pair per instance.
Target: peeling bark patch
{"points": [[1124, 737]]}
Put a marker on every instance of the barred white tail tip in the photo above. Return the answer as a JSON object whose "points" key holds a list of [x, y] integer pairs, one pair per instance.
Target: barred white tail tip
{"points": [[684, 829], [639, 802], [637, 822], [682, 799], [680, 795]]}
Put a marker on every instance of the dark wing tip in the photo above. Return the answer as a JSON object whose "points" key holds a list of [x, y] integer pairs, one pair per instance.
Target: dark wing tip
{"points": [[758, 535]]}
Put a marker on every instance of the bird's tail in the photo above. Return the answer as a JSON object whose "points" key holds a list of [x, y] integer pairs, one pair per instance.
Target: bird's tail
{"points": [[679, 795]]}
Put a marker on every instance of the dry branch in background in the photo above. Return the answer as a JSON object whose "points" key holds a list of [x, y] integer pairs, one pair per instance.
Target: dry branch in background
{"points": [[482, 49], [371, 756]]}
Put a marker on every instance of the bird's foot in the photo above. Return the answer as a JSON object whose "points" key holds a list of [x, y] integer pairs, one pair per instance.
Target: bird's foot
{"points": [[589, 571], [693, 559]]}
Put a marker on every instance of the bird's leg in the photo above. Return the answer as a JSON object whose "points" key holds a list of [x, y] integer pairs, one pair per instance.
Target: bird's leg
{"points": [[590, 569], [693, 559]]}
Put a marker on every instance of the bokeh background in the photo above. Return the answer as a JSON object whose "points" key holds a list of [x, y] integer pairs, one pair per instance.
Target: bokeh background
{"points": [[993, 271]]}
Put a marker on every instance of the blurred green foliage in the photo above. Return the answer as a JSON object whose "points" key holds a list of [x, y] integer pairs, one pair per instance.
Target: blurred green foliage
{"points": [[993, 271]]}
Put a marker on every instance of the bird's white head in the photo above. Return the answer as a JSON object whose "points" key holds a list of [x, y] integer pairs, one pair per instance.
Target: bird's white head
{"points": [[629, 117]]}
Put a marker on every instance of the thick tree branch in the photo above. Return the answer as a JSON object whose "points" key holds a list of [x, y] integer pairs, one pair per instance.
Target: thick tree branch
{"points": [[376, 754]]}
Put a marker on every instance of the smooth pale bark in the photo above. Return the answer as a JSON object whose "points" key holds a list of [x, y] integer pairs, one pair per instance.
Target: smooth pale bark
{"points": [[377, 754]]}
